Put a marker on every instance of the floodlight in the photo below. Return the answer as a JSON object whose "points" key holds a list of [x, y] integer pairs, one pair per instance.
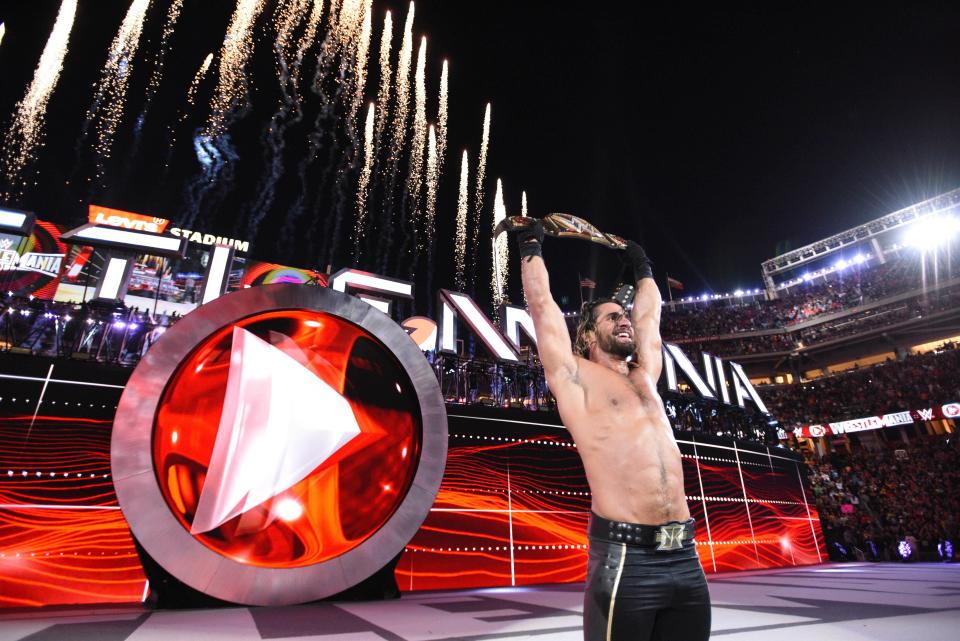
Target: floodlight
{"points": [[932, 231]]}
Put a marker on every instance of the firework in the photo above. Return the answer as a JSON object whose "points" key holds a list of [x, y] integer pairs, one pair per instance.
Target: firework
{"points": [[363, 50], [231, 93], [383, 94], [3, 31], [309, 35], [478, 192], [403, 87], [288, 16], [433, 180], [523, 203], [26, 130], [500, 250], [442, 118], [173, 15], [419, 140], [460, 248], [364, 186], [110, 97]]}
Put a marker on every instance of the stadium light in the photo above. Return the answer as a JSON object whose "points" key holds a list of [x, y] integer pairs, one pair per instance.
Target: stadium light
{"points": [[932, 231], [840, 265]]}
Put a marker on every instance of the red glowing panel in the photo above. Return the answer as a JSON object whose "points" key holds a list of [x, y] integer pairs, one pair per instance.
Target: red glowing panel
{"points": [[287, 439]]}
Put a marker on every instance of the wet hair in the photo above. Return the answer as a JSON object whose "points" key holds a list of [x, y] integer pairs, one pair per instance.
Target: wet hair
{"points": [[588, 322]]}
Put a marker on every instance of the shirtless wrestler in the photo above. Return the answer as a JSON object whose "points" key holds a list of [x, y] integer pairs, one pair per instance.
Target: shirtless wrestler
{"points": [[644, 579]]}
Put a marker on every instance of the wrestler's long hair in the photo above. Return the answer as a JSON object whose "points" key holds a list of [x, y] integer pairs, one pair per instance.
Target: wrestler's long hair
{"points": [[588, 323]]}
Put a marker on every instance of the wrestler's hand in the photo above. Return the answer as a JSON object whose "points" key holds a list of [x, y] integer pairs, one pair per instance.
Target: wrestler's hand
{"points": [[530, 240], [636, 257]]}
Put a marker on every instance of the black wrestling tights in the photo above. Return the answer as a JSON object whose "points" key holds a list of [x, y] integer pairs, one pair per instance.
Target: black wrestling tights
{"points": [[637, 593]]}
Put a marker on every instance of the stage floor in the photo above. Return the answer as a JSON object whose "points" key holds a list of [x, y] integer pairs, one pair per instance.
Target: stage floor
{"points": [[839, 602]]}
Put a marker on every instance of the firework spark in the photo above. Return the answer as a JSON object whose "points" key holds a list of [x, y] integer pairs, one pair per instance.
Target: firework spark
{"points": [[523, 203], [3, 31], [111, 92], [442, 115], [500, 250], [460, 248], [403, 87], [478, 193], [363, 52], [386, 72], [288, 16], [363, 189], [173, 15], [26, 130], [191, 101], [433, 180], [231, 93], [419, 139], [309, 35]]}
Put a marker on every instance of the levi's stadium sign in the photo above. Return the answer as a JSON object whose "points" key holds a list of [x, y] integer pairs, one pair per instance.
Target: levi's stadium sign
{"points": [[279, 445], [949, 411]]}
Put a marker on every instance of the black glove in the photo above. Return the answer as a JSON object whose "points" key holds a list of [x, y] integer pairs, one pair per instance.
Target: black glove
{"points": [[530, 240], [636, 257]]}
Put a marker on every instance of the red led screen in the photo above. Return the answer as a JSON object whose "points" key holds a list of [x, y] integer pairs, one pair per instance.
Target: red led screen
{"points": [[342, 501], [512, 508], [514, 503]]}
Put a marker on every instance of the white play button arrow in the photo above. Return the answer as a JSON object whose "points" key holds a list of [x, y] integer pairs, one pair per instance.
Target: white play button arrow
{"points": [[279, 422]]}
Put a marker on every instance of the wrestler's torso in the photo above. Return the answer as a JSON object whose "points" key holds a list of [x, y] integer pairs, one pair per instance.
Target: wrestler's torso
{"points": [[628, 450]]}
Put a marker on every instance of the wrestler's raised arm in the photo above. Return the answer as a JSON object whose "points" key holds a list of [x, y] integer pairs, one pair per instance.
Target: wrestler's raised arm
{"points": [[645, 316], [560, 366]]}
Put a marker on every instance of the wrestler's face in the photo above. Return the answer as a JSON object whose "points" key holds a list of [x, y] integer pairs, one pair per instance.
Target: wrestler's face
{"points": [[614, 330]]}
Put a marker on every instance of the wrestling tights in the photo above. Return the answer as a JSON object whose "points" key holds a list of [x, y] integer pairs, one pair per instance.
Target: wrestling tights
{"points": [[637, 593]]}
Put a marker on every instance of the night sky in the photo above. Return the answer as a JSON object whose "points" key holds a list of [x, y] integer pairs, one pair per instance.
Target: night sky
{"points": [[716, 137]]}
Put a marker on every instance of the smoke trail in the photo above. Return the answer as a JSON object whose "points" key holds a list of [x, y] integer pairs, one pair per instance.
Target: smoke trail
{"points": [[329, 49], [156, 74], [190, 103], [478, 196], [354, 27], [230, 100], [398, 134], [442, 118], [232, 91], [523, 203], [26, 130], [287, 18], [363, 189], [106, 111], [460, 248], [500, 251]]}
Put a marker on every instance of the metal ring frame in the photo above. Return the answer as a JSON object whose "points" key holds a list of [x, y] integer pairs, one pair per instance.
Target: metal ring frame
{"points": [[171, 545]]}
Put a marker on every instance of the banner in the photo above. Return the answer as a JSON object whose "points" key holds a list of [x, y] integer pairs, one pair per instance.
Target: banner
{"points": [[948, 411]]}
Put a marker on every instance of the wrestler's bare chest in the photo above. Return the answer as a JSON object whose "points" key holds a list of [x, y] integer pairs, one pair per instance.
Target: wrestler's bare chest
{"points": [[629, 454]]}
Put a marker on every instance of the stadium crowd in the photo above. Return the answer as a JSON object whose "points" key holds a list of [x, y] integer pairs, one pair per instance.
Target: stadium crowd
{"points": [[831, 329], [892, 504], [856, 286], [917, 382]]}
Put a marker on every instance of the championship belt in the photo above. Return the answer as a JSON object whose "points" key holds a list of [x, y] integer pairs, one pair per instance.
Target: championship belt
{"points": [[562, 226]]}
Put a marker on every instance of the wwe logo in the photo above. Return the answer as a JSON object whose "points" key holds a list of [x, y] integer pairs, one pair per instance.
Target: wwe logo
{"points": [[670, 537], [5, 243], [926, 415]]}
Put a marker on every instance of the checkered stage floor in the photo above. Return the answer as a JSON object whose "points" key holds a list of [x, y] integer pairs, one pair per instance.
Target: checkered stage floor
{"points": [[878, 602]]}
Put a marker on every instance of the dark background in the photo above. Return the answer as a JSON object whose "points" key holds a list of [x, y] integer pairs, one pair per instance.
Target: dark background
{"points": [[717, 136]]}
